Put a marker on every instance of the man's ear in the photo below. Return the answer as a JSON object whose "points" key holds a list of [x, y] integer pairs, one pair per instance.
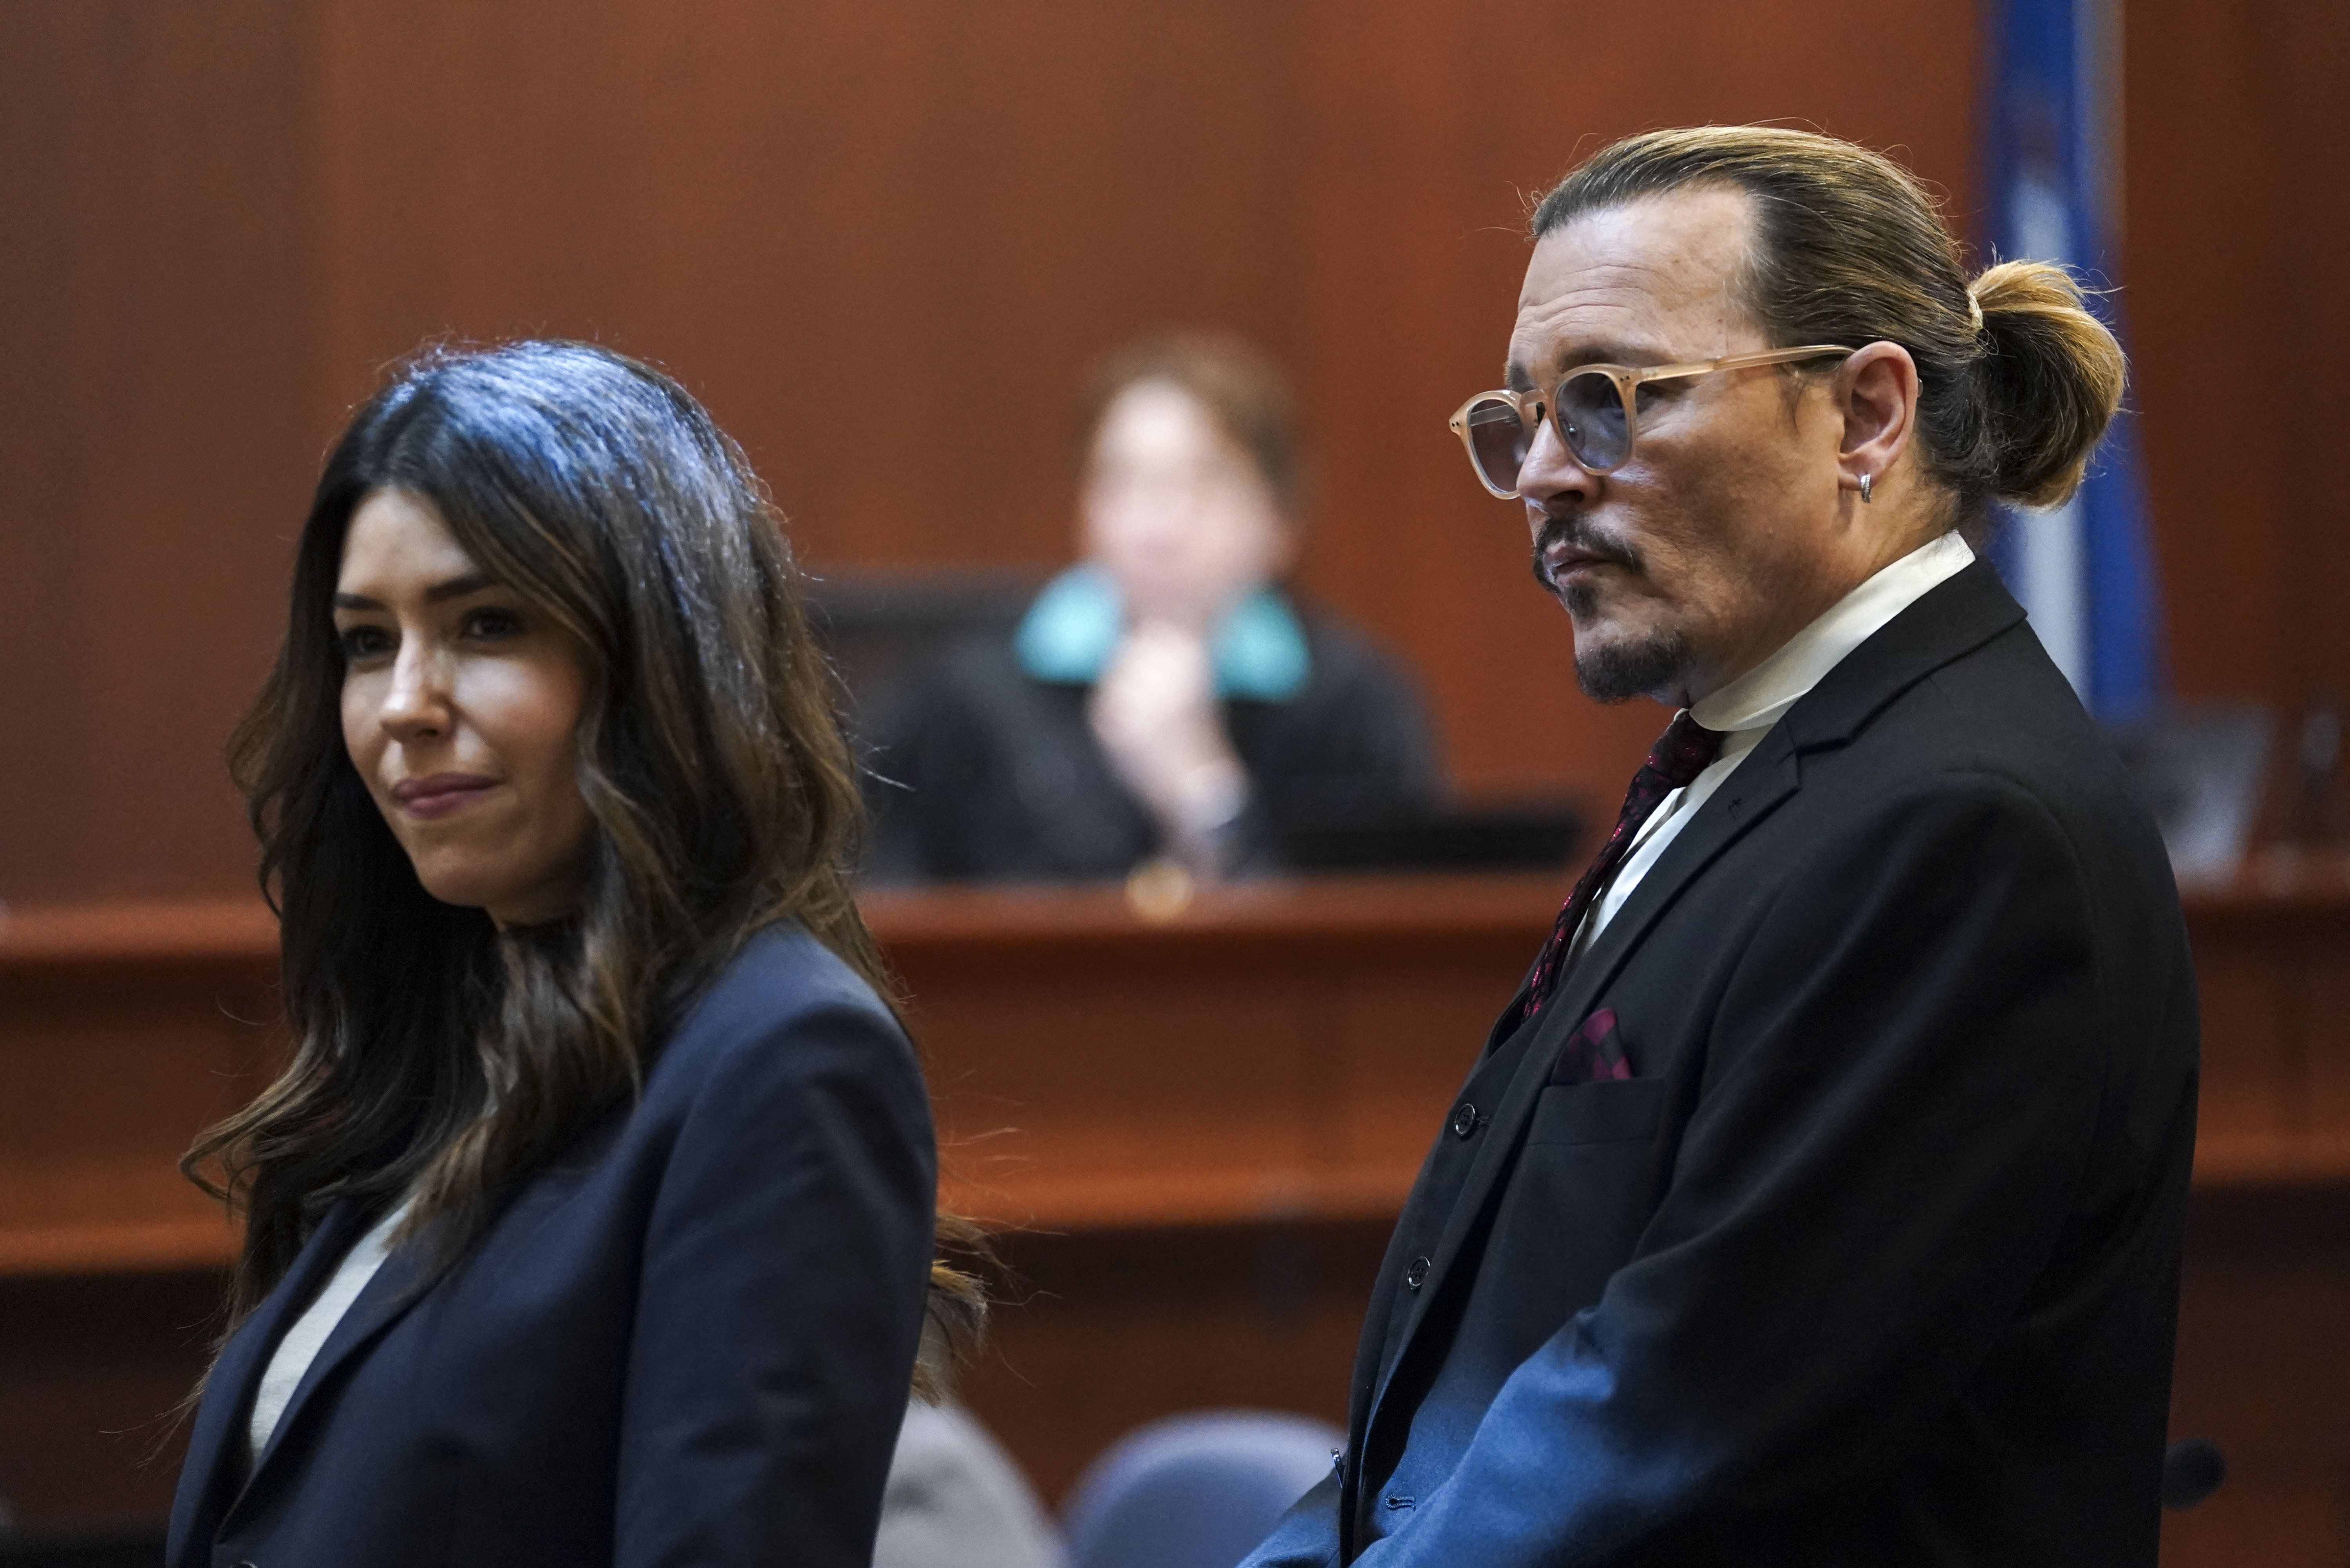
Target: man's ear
{"points": [[1877, 392]]}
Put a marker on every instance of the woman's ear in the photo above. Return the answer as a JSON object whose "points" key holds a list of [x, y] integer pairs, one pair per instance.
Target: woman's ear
{"points": [[1877, 393], [1282, 557]]}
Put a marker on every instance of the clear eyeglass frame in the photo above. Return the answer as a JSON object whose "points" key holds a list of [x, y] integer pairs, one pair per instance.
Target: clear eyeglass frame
{"points": [[1530, 408]]}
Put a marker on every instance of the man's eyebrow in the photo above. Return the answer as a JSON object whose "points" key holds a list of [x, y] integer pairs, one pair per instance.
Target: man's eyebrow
{"points": [[454, 588], [1616, 354], [1518, 379]]}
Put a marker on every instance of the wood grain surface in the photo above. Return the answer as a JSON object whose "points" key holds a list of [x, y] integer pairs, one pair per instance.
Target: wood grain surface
{"points": [[1191, 1131]]}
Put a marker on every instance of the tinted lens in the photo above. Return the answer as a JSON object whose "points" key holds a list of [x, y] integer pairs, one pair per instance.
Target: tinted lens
{"points": [[1497, 438], [1591, 417]]}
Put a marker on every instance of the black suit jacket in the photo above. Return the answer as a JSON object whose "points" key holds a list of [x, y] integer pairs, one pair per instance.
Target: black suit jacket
{"points": [[1875, 1259], [687, 1341], [985, 772]]}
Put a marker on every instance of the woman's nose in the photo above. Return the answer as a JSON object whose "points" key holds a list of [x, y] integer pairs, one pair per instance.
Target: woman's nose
{"points": [[416, 703]]}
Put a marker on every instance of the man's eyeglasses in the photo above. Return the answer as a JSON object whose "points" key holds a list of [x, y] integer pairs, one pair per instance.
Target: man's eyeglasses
{"points": [[1594, 410]]}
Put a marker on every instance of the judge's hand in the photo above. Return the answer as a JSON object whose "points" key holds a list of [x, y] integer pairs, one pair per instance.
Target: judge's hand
{"points": [[1155, 712]]}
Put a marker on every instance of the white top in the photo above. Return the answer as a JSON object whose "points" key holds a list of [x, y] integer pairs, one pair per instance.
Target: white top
{"points": [[303, 1340], [1746, 709]]}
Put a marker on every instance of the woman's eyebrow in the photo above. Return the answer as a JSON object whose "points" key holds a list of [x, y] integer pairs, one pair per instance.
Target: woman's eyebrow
{"points": [[458, 587], [454, 588]]}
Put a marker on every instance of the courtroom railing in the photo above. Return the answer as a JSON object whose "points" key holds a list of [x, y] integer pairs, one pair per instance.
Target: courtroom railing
{"points": [[1272, 1051]]}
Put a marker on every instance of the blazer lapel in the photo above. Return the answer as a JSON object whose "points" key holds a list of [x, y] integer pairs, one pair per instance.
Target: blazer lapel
{"points": [[214, 1465], [1954, 617], [395, 1288], [1754, 790]]}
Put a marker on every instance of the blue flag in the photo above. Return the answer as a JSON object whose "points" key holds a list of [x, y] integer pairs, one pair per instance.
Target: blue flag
{"points": [[2084, 570]]}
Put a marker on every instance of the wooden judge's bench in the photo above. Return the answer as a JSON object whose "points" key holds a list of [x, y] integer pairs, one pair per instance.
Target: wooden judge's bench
{"points": [[1193, 1123]]}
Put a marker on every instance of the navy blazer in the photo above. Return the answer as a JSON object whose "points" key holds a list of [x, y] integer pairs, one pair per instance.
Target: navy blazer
{"points": [[1873, 1259], [685, 1341]]}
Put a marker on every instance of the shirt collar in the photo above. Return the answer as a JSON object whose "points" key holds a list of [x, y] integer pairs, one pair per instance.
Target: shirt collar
{"points": [[1074, 627], [1758, 699]]}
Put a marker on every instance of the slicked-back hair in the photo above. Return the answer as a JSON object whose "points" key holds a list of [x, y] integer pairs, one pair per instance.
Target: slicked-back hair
{"points": [[1849, 248]]}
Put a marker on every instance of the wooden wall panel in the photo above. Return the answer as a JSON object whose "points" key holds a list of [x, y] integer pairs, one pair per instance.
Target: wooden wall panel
{"points": [[124, 1031], [91, 1370], [155, 443], [1087, 1064], [884, 244], [2238, 131]]}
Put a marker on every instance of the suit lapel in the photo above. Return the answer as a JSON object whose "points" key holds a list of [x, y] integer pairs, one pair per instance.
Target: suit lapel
{"points": [[395, 1287], [216, 1444], [1754, 790]]}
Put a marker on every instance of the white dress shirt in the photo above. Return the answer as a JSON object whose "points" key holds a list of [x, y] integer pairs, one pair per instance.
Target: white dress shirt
{"points": [[1745, 710]]}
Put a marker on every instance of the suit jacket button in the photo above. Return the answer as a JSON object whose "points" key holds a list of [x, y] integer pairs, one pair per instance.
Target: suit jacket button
{"points": [[1464, 1119], [1415, 1273]]}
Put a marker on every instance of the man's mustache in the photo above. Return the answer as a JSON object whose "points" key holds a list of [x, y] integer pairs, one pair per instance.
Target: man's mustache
{"points": [[1576, 533]]}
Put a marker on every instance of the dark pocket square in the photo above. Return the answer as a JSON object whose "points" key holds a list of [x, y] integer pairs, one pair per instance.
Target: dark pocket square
{"points": [[1593, 1054]]}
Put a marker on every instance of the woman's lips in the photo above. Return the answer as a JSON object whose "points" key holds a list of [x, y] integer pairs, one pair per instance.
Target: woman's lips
{"points": [[441, 794]]}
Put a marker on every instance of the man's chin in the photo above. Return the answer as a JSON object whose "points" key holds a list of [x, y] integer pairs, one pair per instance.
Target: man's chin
{"points": [[1619, 669]]}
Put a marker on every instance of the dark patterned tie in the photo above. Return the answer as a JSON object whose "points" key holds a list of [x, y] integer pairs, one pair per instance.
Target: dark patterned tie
{"points": [[1681, 754]]}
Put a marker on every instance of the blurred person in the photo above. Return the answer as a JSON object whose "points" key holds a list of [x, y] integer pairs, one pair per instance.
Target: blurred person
{"points": [[956, 1499], [1168, 696], [1818, 1198], [592, 1221]]}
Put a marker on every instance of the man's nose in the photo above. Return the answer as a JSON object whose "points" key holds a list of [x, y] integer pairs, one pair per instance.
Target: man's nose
{"points": [[1550, 476]]}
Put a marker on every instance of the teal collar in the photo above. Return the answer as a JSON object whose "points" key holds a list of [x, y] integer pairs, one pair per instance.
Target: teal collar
{"points": [[1069, 633]]}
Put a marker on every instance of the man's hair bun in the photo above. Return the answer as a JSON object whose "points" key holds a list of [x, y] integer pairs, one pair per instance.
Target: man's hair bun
{"points": [[2052, 379]]}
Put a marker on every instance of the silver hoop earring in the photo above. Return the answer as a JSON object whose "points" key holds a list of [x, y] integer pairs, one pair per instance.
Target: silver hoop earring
{"points": [[1867, 485]]}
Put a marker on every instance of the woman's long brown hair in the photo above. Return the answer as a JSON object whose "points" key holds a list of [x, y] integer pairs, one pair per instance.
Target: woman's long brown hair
{"points": [[434, 1053]]}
